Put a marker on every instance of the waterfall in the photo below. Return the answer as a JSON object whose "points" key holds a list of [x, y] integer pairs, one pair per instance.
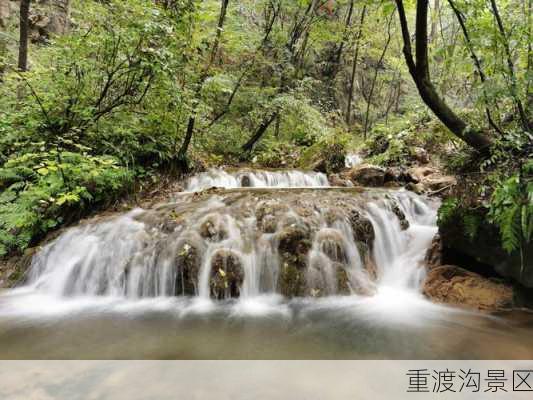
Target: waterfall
{"points": [[353, 160], [247, 244], [257, 179]]}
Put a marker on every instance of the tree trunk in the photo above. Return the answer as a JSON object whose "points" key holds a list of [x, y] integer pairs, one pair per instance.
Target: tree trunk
{"points": [[354, 66], [182, 153], [510, 65], [249, 145], [477, 63], [376, 71], [24, 33], [420, 73], [434, 20]]}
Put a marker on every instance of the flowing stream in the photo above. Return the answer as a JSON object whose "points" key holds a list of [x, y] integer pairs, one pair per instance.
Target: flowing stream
{"points": [[249, 264]]}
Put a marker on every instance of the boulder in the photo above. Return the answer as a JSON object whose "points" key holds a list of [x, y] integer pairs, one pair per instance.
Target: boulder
{"points": [[485, 249], [456, 286], [246, 181], [417, 188], [227, 275], [430, 179], [368, 175], [188, 263], [294, 239], [337, 180], [439, 183], [294, 244], [418, 174]]}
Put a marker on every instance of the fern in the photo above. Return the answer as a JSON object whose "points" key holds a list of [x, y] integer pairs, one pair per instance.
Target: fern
{"points": [[511, 209]]}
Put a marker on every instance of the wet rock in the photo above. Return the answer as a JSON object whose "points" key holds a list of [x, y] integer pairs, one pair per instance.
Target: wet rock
{"points": [[212, 228], [246, 181], [331, 243], [227, 275], [337, 180], [368, 262], [368, 175], [404, 223], [343, 281], [331, 215], [12, 270], [362, 227], [456, 286], [417, 188], [292, 279], [189, 261], [294, 239], [267, 215], [294, 244], [327, 279], [433, 256]]}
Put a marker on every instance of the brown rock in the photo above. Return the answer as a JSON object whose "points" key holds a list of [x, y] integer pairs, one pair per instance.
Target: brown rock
{"points": [[456, 286], [213, 229], [337, 180], [417, 188], [418, 174], [435, 183], [227, 275], [188, 268], [434, 254], [368, 175]]}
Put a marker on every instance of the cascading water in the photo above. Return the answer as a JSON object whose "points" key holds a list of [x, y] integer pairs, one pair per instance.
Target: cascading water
{"points": [[242, 274], [229, 246], [258, 179]]}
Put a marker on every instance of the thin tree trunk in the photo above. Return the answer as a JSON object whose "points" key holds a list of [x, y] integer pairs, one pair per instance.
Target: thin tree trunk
{"points": [[182, 153], [249, 145], [477, 63], [376, 70], [354, 66], [510, 65], [434, 20], [529, 94], [420, 73], [239, 82], [24, 33], [338, 55]]}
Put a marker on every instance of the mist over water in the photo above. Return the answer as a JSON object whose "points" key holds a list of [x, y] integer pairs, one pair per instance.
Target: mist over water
{"points": [[125, 287]]}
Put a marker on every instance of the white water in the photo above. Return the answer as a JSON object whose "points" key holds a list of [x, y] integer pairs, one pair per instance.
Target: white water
{"points": [[126, 258], [257, 179], [113, 288], [353, 160]]}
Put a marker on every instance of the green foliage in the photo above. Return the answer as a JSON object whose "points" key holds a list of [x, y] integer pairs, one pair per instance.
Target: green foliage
{"points": [[511, 209], [394, 143], [328, 153], [43, 190]]}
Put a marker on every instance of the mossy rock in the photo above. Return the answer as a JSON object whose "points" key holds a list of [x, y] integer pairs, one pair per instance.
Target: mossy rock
{"points": [[188, 264], [227, 275], [362, 228]]}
